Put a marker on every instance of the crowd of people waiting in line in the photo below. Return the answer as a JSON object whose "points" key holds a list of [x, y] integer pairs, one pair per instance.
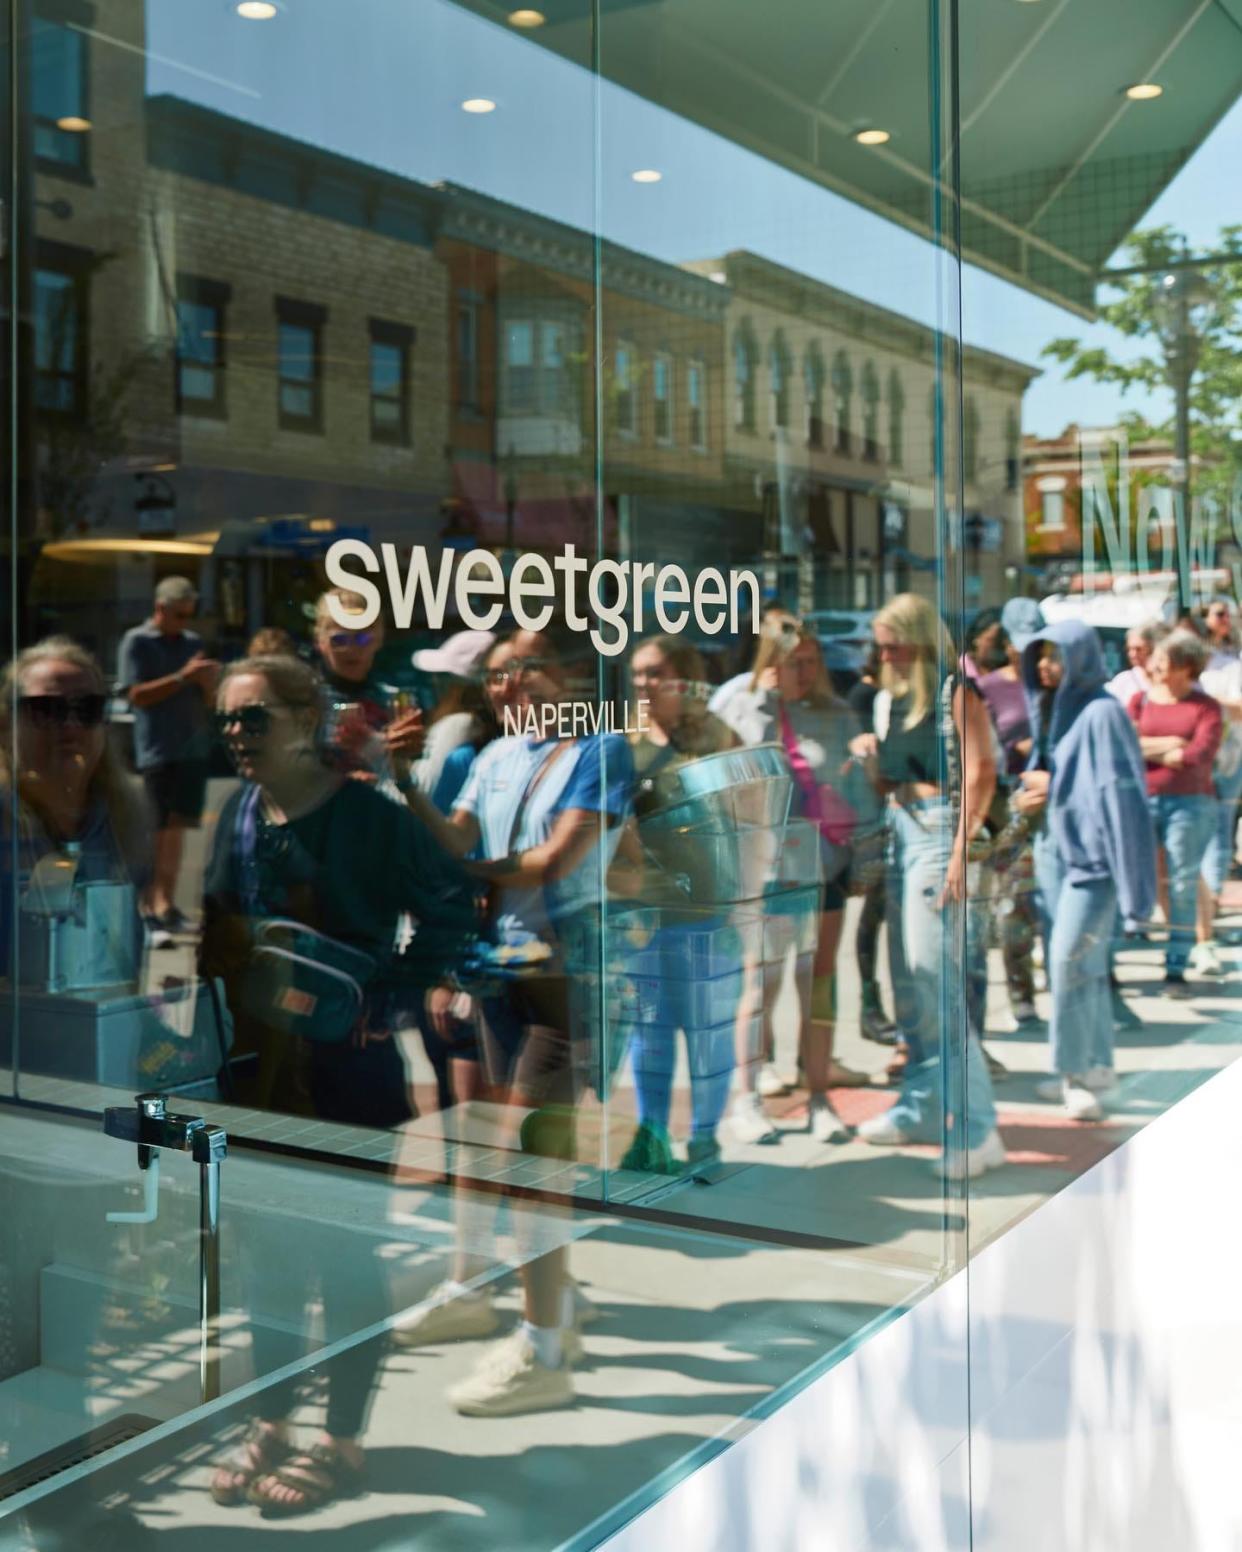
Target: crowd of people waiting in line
{"points": [[373, 849]]}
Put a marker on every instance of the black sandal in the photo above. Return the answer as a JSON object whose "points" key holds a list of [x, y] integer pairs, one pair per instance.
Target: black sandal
{"points": [[259, 1454], [319, 1475]]}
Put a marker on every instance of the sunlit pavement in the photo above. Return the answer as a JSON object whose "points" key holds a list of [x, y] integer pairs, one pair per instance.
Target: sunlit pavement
{"points": [[696, 1329]]}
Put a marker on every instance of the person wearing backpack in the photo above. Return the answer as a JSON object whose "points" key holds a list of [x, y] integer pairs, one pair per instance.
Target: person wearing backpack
{"points": [[309, 875], [791, 702]]}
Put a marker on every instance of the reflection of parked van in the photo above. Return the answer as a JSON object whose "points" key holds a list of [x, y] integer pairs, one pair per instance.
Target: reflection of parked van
{"points": [[844, 635], [1119, 605]]}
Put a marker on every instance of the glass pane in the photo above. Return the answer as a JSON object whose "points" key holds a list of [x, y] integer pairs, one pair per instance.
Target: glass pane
{"points": [[297, 352]]}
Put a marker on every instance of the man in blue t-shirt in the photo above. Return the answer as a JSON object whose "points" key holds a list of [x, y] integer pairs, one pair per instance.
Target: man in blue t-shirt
{"points": [[170, 682], [543, 818]]}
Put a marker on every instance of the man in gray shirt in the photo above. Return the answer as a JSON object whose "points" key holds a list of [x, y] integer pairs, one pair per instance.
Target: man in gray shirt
{"points": [[170, 683]]}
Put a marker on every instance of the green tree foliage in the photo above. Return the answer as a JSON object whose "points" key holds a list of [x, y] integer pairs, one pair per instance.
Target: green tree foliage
{"points": [[1216, 387]]}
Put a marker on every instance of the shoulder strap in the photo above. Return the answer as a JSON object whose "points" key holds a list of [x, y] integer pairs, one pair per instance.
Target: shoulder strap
{"points": [[246, 848], [882, 714], [548, 761]]}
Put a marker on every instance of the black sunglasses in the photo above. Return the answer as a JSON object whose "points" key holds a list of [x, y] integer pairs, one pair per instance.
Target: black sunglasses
{"points": [[250, 721], [351, 638], [58, 710]]}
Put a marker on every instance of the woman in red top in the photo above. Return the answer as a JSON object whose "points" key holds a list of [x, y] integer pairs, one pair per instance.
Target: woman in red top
{"points": [[1179, 728]]}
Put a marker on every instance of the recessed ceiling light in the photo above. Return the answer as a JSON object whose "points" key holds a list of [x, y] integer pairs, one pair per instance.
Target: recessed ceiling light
{"points": [[872, 136], [646, 175], [256, 10], [478, 105], [1144, 91], [73, 124], [526, 18]]}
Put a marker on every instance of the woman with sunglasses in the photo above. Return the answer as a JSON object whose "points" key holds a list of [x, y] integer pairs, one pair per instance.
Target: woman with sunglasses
{"points": [[63, 785], [367, 734], [301, 842]]}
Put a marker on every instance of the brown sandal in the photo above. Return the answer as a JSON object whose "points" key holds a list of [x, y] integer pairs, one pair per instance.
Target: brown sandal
{"points": [[317, 1475], [259, 1454]]}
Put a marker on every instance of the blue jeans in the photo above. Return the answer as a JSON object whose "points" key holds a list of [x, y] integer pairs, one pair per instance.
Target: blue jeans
{"points": [[1078, 924], [925, 984], [1218, 858], [1183, 828]]}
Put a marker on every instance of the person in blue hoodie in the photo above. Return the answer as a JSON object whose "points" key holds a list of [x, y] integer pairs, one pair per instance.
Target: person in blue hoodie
{"points": [[1085, 792]]}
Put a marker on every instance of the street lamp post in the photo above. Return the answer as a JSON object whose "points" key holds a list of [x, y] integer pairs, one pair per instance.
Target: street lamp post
{"points": [[1183, 304]]}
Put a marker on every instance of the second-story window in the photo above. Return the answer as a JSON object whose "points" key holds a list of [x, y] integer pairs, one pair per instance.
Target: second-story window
{"points": [[662, 397], [871, 412], [744, 379], [390, 382], [813, 375], [538, 367], [299, 365], [626, 392], [896, 414], [842, 393], [199, 386], [1013, 448], [696, 404], [468, 355], [970, 440], [59, 101], [778, 377], [59, 341]]}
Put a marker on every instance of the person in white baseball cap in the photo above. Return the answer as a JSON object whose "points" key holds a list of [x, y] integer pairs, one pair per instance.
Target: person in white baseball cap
{"points": [[459, 715]]}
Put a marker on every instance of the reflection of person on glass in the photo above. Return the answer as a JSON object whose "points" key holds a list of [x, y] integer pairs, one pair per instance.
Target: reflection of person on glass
{"points": [[1094, 851], [924, 710], [543, 816], [668, 675], [1179, 728], [301, 845], [65, 788], [792, 703], [367, 732], [169, 681]]}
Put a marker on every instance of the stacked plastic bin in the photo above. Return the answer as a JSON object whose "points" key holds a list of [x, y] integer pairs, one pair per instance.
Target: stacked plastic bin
{"points": [[726, 862]]}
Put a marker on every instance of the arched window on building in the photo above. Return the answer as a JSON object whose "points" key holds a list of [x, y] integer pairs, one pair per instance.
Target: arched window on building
{"points": [[871, 411], [814, 375], [1013, 449], [780, 370], [842, 393], [896, 414], [970, 440], [744, 358]]}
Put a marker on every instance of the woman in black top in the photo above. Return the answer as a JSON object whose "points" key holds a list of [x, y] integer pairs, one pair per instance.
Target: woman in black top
{"points": [[303, 842]]}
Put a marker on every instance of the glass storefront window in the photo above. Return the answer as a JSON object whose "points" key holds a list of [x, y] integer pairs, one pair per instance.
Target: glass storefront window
{"points": [[546, 546]]}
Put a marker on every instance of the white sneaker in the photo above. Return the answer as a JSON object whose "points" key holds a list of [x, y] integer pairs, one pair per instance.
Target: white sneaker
{"points": [[1080, 1103], [1100, 1080], [509, 1380], [882, 1132], [1205, 959], [825, 1124], [448, 1316], [990, 1154], [749, 1121], [770, 1084]]}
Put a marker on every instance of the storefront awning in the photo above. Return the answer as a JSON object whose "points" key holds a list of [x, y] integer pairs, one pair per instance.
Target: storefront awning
{"points": [[1058, 165]]}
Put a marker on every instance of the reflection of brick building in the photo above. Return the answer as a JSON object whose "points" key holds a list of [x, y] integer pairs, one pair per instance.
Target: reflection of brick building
{"points": [[1052, 486], [829, 436], [523, 393]]}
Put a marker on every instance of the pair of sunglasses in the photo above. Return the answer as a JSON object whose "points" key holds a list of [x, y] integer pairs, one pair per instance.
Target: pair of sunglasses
{"points": [[518, 665], [59, 710], [250, 721], [351, 638]]}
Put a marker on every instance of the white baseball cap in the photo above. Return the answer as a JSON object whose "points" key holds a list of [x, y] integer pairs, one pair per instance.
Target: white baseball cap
{"points": [[460, 655]]}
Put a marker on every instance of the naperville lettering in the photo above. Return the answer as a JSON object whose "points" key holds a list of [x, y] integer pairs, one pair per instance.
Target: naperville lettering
{"points": [[535, 586], [573, 719]]}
